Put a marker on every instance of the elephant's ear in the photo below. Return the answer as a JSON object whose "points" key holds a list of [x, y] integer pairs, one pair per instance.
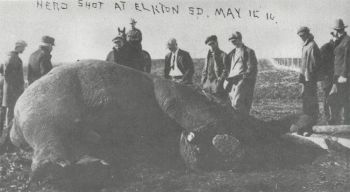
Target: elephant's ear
{"points": [[228, 146]]}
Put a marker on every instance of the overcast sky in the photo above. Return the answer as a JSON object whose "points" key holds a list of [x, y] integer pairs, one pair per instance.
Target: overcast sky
{"points": [[83, 32]]}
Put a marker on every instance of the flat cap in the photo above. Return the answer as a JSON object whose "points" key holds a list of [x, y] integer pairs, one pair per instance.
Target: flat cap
{"points": [[21, 43], [48, 40], [211, 38], [303, 30], [235, 35]]}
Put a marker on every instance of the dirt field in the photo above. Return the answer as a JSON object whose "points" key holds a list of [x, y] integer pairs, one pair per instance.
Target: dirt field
{"points": [[276, 96]]}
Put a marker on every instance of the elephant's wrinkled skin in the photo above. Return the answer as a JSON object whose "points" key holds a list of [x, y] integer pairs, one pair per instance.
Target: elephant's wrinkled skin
{"points": [[87, 109]]}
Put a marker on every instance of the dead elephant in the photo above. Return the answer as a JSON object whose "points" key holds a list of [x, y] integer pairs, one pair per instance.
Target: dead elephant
{"points": [[94, 113]]}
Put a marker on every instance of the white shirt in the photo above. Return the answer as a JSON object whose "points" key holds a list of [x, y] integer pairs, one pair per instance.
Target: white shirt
{"points": [[237, 63], [174, 69]]}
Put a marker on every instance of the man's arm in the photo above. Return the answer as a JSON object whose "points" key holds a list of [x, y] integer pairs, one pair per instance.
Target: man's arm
{"points": [[45, 64], [190, 68], [222, 69], [347, 61], [166, 67], [204, 71], [252, 65]]}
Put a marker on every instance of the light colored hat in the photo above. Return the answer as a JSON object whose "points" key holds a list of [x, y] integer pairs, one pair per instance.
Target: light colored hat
{"points": [[339, 24], [21, 43]]}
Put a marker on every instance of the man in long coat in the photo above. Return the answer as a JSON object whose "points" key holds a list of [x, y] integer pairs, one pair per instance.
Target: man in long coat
{"points": [[13, 80], [327, 55], [310, 68], [212, 75], [178, 64], [40, 61], [340, 93], [241, 69]]}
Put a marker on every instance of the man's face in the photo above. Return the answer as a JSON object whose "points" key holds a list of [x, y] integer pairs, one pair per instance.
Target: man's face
{"points": [[337, 33], [303, 36], [119, 43], [213, 45], [50, 48], [172, 47], [20, 49], [132, 25], [236, 42]]}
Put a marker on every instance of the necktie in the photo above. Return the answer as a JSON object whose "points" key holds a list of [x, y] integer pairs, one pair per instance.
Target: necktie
{"points": [[173, 61]]}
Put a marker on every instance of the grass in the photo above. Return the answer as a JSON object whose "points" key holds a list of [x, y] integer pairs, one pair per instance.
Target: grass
{"points": [[276, 95]]}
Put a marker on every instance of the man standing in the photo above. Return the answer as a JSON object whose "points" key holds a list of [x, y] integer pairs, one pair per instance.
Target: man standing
{"points": [[14, 81], [178, 64], [240, 71], [212, 74], [340, 93], [327, 56], [40, 61], [310, 66]]}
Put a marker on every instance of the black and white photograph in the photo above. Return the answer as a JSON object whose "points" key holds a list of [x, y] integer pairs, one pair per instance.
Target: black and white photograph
{"points": [[174, 96]]}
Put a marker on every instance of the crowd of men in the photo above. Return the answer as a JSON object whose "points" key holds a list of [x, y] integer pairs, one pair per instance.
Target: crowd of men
{"points": [[331, 65], [228, 78], [13, 78]]}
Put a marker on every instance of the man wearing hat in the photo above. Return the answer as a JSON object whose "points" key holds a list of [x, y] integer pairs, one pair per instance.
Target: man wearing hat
{"points": [[327, 56], [212, 74], [310, 68], [134, 36], [40, 61], [240, 72], [340, 93], [118, 54], [178, 64], [13, 80]]}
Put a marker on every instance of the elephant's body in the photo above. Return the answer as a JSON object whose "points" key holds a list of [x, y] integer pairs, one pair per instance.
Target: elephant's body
{"points": [[92, 107]]}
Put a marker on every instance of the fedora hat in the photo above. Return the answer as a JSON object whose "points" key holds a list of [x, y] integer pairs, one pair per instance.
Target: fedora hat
{"points": [[339, 24]]}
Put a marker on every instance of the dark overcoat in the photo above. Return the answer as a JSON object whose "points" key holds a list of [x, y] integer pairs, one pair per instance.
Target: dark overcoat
{"points": [[184, 63], [213, 76], [13, 80], [39, 64]]}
